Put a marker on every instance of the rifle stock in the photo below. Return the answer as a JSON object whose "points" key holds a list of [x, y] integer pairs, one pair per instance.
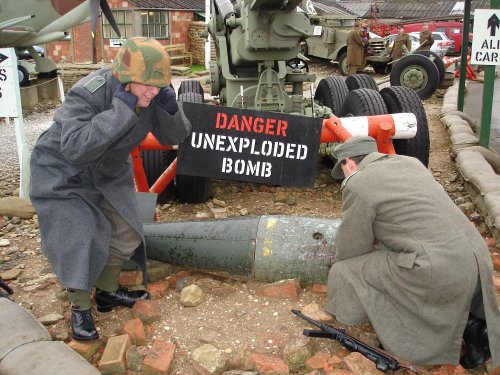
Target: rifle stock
{"points": [[383, 360]]}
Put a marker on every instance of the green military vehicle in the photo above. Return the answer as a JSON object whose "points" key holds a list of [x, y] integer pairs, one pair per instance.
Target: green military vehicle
{"points": [[328, 40]]}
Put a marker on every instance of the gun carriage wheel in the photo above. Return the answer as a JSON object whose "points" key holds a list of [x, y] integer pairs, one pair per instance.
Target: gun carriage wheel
{"points": [[416, 72], [438, 61], [400, 99]]}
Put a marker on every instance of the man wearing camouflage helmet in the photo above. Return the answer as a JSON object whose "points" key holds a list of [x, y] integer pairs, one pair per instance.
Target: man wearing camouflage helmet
{"points": [[82, 182]]}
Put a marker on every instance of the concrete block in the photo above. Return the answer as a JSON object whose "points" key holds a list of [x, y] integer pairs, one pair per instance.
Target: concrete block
{"points": [[29, 97], [113, 359], [18, 327], [47, 88], [45, 358]]}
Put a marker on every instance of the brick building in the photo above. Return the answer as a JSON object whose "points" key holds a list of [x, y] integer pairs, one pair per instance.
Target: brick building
{"points": [[166, 20]]}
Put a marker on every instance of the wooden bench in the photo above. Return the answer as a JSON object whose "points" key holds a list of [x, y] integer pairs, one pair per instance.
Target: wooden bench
{"points": [[178, 52]]}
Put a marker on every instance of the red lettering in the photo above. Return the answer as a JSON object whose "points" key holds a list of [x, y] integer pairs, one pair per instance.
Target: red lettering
{"points": [[246, 123], [220, 122], [270, 126], [282, 125], [258, 125], [233, 124]]}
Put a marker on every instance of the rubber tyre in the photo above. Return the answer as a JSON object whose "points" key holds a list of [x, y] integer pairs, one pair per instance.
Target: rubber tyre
{"points": [[363, 102], [24, 76], [409, 68], [331, 92], [155, 162], [190, 85], [361, 81], [400, 99], [343, 67], [438, 61], [192, 189]]}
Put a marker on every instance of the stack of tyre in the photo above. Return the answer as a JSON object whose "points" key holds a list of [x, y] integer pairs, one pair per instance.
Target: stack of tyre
{"points": [[186, 189], [358, 95]]}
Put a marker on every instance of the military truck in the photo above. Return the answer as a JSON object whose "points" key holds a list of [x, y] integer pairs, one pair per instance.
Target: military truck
{"points": [[328, 40]]}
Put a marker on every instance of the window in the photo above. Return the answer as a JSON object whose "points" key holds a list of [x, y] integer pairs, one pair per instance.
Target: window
{"points": [[123, 19], [155, 24]]}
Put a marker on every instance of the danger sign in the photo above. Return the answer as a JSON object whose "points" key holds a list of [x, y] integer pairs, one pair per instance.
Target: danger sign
{"points": [[255, 146], [486, 40]]}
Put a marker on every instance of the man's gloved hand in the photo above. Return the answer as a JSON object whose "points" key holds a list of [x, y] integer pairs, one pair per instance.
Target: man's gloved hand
{"points": [[125, 96], [166, 100]]}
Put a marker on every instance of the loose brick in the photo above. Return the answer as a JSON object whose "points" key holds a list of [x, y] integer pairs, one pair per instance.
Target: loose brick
{"points": [[174, 278], [318, 361], [146, 310], [281, 289], [135, 329], [496, 261], [113, 361], [159, 358], [158, 289], [490, 242], [496, 282], [266, 364], [360, 365], [130, 278], [319, 288], [85, 348]]}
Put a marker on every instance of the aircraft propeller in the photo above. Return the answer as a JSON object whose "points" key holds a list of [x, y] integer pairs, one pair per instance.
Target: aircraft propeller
{"points": [[106, 10]]}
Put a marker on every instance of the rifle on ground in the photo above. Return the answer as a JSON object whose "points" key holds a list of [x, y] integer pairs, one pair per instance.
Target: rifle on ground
{"points": [[5, 287], [382, 360]]}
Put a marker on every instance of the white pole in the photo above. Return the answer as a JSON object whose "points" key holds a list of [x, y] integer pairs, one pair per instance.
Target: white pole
{"points": [[207, 43]]}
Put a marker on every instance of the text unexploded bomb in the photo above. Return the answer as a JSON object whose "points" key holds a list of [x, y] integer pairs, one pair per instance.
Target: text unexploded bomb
{"points": [[254, 147]]}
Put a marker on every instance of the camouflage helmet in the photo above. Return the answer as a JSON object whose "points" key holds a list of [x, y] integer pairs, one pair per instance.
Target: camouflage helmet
{"points": [[142, 60]]}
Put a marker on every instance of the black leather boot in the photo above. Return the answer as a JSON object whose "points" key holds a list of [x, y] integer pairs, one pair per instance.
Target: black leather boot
{"points": [[82, 325], [105, 301], [476, 343]]}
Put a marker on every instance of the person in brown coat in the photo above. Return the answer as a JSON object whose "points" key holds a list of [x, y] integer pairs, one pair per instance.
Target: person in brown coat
{"points": [[402, 44], [355, 49], [410, 262], [426, 39]]}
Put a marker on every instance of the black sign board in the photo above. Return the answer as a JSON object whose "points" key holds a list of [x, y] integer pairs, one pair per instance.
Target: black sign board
{"points": [[237, 144]]}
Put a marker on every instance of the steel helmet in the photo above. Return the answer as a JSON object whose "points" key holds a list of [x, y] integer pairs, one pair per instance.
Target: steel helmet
{"points": [[142, 60]]}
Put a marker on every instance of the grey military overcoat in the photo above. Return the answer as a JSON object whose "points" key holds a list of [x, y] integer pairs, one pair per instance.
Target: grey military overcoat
{"points": [[83, 157], [416, 291]]}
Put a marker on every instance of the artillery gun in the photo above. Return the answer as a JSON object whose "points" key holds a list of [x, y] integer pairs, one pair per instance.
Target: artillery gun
{"points": [[259, 66]]}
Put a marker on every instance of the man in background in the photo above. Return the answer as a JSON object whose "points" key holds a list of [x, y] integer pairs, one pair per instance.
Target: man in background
{"points": [[426, 39], [355, 49]]}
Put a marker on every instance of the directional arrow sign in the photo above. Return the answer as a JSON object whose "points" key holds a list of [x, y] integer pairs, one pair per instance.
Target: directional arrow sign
{"points": [[116, 43], [494, 23], [3, 58], [486, 40]]}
